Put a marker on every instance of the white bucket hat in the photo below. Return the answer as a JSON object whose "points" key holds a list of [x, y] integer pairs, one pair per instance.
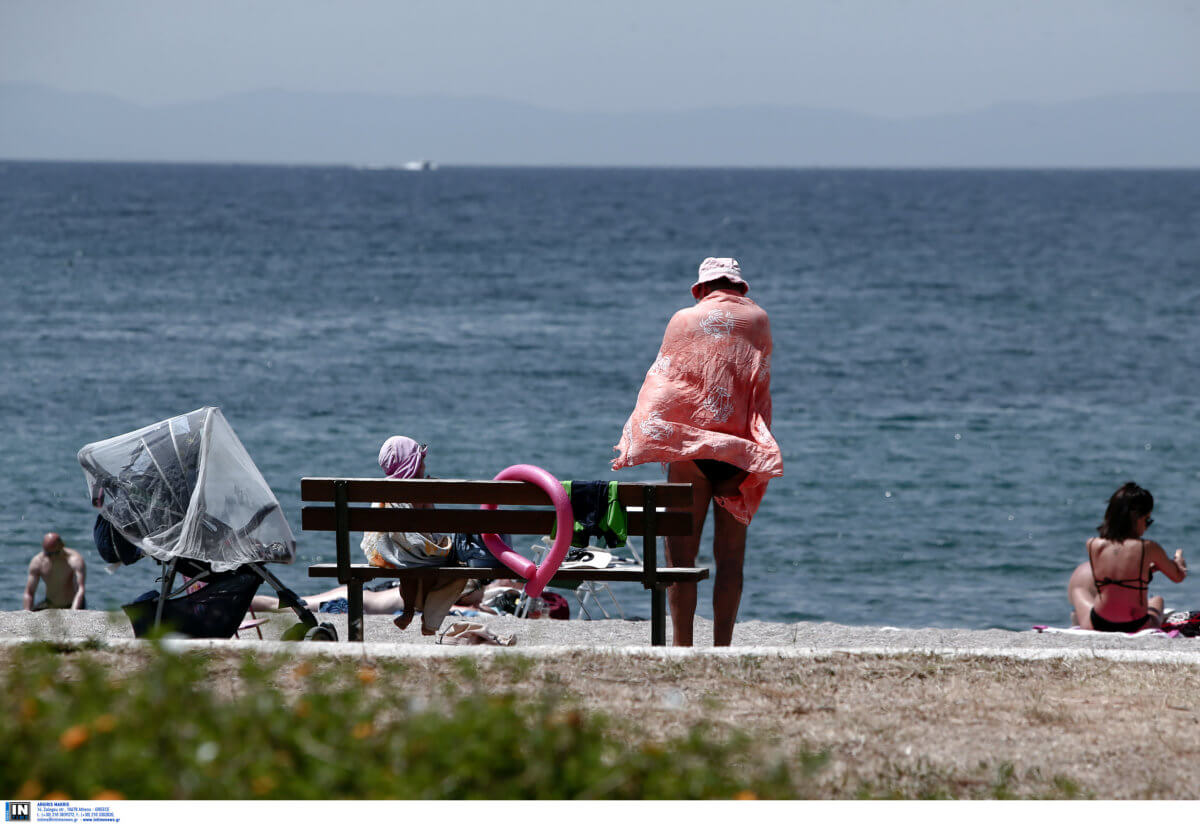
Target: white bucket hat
{"points": [[715, 269]]}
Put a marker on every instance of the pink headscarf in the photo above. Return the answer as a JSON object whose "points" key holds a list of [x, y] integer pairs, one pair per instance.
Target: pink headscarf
{"points": [[400, 457]]}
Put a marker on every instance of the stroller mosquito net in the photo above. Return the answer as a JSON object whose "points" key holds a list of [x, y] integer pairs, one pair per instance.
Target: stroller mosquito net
{"points": [[186, 488]]}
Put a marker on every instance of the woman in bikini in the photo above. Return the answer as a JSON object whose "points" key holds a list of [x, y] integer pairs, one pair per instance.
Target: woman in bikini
{"points": [[1122, 562]]}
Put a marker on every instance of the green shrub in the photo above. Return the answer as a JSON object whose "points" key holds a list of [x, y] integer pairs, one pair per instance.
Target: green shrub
{"points": [[71, 727]]}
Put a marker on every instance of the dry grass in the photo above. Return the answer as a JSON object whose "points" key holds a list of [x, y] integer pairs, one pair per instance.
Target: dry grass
{"points": [[899, 726]]}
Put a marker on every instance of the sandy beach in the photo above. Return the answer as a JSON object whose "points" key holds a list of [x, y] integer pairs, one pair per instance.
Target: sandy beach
{"points": [[750, 637], [892, 713]]}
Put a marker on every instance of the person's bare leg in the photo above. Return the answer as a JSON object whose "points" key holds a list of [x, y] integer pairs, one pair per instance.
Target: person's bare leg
{"points": [[264, 603], [1081, 593], [1155, 608], [408, 593], [682, 551], [268, 603], [384, 602], [729, 553]]}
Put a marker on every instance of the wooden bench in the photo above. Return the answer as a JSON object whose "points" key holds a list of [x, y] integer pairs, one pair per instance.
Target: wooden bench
{"points": [[653, 510]]}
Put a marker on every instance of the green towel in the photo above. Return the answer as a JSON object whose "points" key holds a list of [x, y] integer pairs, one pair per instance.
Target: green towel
{"points": [[598, 513]]}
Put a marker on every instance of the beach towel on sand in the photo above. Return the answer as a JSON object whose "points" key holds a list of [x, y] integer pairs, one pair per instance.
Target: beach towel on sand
{"points": [[708, 396], [1082, 631], [1176, 623]]}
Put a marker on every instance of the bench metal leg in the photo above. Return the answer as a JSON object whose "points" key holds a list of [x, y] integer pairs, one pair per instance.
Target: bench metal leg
{"points": [[354, 612], [658, 617]]}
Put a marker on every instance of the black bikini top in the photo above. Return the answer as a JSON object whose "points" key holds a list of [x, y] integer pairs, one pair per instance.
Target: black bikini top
{"points": [[1129, 583]]}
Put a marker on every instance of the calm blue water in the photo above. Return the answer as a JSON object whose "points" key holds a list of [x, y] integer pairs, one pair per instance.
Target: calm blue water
{"points": [[967, 363]]}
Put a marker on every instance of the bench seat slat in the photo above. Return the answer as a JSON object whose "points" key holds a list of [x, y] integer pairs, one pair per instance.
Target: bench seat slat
{"points": [[452, 491], [511, 521], [366, 572]]}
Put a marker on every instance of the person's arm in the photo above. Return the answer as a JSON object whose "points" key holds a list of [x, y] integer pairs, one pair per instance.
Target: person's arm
{"points": [[30, 587], [1176, 570], [770, 348], [79, 567]]}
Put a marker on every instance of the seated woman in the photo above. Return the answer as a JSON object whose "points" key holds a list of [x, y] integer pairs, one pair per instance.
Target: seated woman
{"points": [[1120, 563], [402, 457]]}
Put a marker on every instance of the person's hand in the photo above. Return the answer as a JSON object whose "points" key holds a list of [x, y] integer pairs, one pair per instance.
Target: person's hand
{"points": [[1179, 562]]}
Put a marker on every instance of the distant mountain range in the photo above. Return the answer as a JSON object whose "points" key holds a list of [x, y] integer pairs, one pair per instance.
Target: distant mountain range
{"points": [[1157, 130]]}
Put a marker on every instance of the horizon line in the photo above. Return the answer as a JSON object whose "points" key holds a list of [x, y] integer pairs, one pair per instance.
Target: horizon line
{"points": [[443, 166]]}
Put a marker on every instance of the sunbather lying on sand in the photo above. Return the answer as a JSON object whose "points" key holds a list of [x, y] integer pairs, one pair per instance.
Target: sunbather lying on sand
{"points": [[383, 602], [389, 601]]}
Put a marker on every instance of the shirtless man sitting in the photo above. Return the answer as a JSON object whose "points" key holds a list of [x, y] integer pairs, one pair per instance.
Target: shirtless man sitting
{"points": [[63, 570]]}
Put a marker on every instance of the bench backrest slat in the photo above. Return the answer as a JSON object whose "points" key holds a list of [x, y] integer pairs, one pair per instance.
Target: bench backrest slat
{"points": [[512, 521], [451, 491]]}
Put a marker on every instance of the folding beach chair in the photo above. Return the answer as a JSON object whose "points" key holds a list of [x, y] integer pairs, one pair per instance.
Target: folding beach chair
{"points": [[587, 592]]}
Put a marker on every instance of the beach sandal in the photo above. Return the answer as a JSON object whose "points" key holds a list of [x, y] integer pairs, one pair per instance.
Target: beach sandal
{"points": [[470, 633], [589, 558]]}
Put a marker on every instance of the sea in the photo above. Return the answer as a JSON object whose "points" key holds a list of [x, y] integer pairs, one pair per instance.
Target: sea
{"points": [[967, 363]]}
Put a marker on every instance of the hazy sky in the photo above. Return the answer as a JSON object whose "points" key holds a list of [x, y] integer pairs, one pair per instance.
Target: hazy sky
{"points": [[893, 57]]}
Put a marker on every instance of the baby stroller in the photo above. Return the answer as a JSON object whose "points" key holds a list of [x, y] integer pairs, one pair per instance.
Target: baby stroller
{"points": [[185, 492]]}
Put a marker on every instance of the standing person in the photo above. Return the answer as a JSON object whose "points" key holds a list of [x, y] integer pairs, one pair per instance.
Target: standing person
{"points": [[705, 411], [64, 572], [1122, 562]]}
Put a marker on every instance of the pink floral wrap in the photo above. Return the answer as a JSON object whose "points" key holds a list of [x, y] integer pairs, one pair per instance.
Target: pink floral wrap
{"points": [[708, 396]]}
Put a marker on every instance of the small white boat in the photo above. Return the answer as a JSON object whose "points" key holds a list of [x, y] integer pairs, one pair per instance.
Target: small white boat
{"points": [[419, 166]]}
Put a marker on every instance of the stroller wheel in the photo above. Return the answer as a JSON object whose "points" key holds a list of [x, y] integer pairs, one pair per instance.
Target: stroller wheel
{"points": [[321, 632], [296, 632]]}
